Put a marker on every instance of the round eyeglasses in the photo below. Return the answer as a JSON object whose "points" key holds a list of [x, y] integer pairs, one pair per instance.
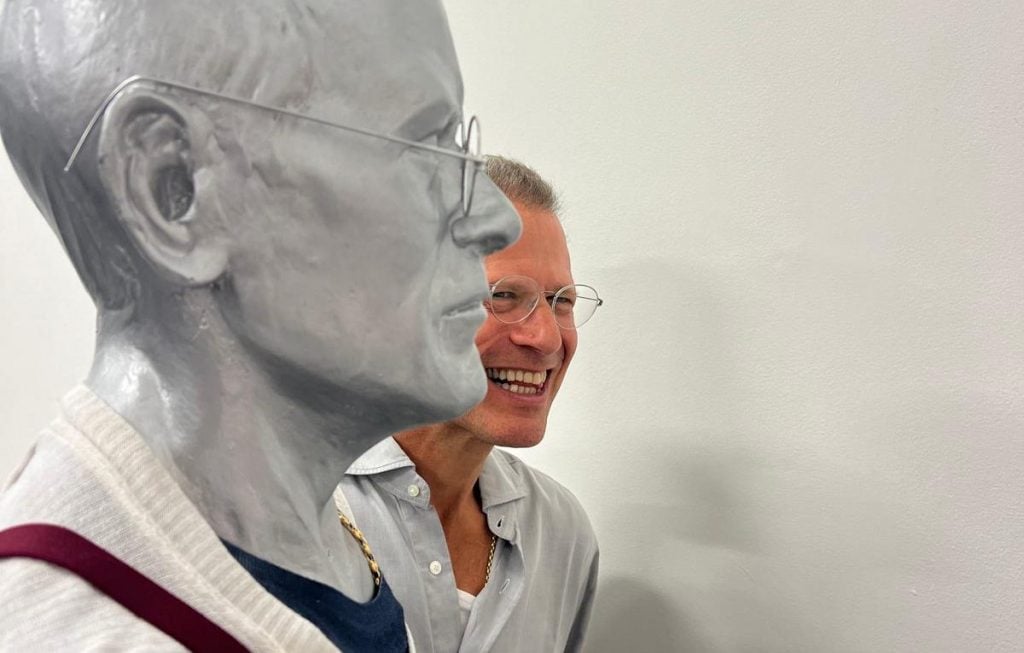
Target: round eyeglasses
{"points": [[515, 297]]}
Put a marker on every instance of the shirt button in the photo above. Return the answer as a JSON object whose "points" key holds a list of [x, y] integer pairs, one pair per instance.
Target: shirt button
{"points": [[435, 567], [414, 490]]}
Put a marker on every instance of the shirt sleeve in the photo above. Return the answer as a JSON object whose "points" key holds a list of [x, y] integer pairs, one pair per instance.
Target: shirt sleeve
{"points": [[582, 620]]}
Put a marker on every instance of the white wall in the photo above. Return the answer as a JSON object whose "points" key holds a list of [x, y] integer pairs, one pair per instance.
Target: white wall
{"points": [[797, 422]]}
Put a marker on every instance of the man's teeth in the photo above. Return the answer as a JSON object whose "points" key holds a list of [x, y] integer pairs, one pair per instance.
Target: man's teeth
{"points": [[519, 389], [515, 380]]}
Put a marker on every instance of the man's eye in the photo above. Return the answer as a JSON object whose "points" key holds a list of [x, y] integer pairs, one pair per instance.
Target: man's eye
{"points": [[503, 301], [563, 304]]}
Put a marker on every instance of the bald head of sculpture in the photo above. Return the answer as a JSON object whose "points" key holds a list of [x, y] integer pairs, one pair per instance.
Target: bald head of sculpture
{"points": [[336, 262]]}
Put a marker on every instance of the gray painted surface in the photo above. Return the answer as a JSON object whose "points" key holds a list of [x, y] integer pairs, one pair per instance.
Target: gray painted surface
{"points": [[274, 295]]}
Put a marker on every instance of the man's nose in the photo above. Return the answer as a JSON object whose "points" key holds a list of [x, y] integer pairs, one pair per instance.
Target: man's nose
{"points": [[492, 224], [539, 331]]}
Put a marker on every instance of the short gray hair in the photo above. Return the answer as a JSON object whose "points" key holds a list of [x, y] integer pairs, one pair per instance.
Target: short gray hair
{"points": [[522, 184]]}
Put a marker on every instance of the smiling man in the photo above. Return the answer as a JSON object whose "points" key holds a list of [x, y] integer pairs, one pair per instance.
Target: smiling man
{"points": [[283, 236], [484, 552]]}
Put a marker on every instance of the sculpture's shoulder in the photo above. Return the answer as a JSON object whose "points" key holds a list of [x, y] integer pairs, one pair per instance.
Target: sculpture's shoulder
{"points": [[45, 608], [42, 606], [67, 477], [35, 489]]}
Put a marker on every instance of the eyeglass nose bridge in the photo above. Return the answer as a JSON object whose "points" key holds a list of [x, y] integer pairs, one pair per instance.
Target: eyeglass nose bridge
{"points": [[532, 310], [570, 317], [548, 301], [530, 303]]}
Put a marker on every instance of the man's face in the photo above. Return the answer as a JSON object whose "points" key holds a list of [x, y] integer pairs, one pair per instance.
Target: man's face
{"points": [[345, 277], [536, 345]]}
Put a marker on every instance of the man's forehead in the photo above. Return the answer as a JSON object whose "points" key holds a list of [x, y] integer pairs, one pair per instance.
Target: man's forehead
{"points": [[541, 250]]}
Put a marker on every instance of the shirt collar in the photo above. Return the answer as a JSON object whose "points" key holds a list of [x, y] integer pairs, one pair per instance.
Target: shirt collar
{"points": [[501, 480], [501, 488], [384, 456], [389, 469], [501, 483]]}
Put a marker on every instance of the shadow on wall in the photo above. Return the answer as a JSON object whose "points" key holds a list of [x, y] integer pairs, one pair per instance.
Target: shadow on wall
{"points": [[699, 494], [700, 462], [692, 504], [701, 510], [633, 617]]}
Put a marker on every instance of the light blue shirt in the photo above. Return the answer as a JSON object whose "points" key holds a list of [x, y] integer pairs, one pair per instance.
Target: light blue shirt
{"points": [[544, 573]]}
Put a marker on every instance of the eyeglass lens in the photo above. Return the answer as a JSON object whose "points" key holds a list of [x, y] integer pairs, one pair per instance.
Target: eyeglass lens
{"points": [[514, 298]]}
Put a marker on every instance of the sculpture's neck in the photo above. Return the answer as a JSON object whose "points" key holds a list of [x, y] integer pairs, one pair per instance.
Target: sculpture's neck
{"points": [[260, 465]]}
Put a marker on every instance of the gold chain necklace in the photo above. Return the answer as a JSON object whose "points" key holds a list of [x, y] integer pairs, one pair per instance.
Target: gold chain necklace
{"points": [[490, 557], [367, 553], [372, 562]]}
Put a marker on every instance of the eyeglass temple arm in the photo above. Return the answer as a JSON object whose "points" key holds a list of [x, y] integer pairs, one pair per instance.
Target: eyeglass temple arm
{"points": [[550, 294], [134, 79]]}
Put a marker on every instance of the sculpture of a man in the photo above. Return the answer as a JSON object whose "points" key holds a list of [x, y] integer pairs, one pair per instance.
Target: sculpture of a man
{"points": [[278, 215]]}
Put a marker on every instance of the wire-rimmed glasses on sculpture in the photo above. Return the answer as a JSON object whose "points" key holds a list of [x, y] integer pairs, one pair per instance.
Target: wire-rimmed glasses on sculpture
{"points": [[469, 149]]}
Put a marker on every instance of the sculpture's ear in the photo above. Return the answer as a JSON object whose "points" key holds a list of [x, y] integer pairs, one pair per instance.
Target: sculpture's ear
{"points": [[147, 167]]}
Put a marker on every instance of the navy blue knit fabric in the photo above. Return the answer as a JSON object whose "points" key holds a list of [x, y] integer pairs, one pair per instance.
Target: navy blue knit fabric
{"points": [[377, 626]]}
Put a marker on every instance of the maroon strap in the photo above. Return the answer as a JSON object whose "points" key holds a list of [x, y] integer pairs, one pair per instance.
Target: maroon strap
{"points": [[121, 582]]}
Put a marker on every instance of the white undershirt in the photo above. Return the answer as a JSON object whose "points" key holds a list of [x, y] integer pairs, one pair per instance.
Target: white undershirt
{"points": [[466, 601]]}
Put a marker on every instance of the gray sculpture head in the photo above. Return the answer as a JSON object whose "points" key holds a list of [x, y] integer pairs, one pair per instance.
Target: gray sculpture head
{"points": [[338, 262]]}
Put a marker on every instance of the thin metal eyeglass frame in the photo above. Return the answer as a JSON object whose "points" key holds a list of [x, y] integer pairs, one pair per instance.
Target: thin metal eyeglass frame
{"points": [[470, 133], [547, 295]]}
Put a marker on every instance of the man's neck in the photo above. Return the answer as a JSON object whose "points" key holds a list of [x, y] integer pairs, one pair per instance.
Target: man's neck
{"points": [[450, 460]]}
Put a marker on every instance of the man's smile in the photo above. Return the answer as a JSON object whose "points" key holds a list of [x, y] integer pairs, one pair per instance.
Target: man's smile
{"points": [[518, 381]]}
